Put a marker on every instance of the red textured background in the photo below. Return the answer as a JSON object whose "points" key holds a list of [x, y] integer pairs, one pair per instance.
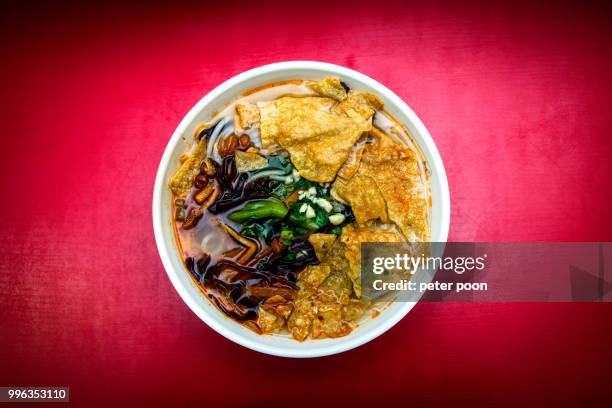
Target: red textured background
{"points": [[515, 95]]}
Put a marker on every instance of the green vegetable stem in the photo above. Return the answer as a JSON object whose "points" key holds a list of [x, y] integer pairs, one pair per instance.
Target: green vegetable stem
{"points": [[259, 209], [301, 220]]}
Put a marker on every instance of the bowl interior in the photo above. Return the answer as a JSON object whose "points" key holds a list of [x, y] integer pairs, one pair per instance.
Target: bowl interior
{"points": [[180, 142]]}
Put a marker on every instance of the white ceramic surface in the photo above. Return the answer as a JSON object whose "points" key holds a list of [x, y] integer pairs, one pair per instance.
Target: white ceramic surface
{"points": [[162, 218]]}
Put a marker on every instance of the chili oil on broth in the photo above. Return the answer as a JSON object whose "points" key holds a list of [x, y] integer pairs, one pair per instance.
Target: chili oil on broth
{"points": [[207, 238]]}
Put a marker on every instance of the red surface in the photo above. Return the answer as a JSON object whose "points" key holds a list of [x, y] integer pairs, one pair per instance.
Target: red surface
{"points": [[516, 96]]}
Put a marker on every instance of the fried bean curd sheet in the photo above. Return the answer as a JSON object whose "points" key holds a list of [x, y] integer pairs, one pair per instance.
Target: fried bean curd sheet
{"points": [[366, 98], [279, 305], [355, 309], [353, 236], [321, 243], [332, 296], [269, 322], [273, 313], [391, 172], [330, 87], [180, 183], [323, 307], [360, 103], [329, 323], [318, 137], [313, 275], [249, 161], [300, 321], [395, 169], [247, 116], [351, 165], [364, 196], [336, 289]]}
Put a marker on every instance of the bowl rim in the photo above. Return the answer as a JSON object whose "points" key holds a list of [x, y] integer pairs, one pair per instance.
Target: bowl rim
{"points": [[341, 344]]}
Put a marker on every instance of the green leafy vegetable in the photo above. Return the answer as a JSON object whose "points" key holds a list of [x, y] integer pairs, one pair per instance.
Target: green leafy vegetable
{"points": [[290, 233], [280, 163], [287, 236], [278, 168], [337, 230], [253, 230], [300, 219], [259, 209], [282, 190], [265, 230]]}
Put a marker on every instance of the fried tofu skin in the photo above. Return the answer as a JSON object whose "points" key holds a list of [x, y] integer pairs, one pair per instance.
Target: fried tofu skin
{"points": [[300, 321], [269, 322], [395, 170], [312, 277], [322, 243], [279, 305], [355, 309], [330, 87], [249, 161], [325, 290], [388, 173], [351, 165], [182, 180], [362, 193], [353, 236], [247, 116], [318, 139]]}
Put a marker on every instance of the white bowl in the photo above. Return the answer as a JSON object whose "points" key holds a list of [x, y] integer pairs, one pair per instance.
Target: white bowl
{"points": [[162, 217]]}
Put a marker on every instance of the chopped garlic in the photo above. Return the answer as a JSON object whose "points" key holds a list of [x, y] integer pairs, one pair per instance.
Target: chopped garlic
{"points": [[288, 180], [336, 219], [303, 208], [312, 191], [310, 212], [324, 204], [296, 174]]}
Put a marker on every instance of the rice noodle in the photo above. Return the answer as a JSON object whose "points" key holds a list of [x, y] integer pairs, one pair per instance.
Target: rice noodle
{"points": [[213, 138], [255, 137], [273, 174], [279, 177]]}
